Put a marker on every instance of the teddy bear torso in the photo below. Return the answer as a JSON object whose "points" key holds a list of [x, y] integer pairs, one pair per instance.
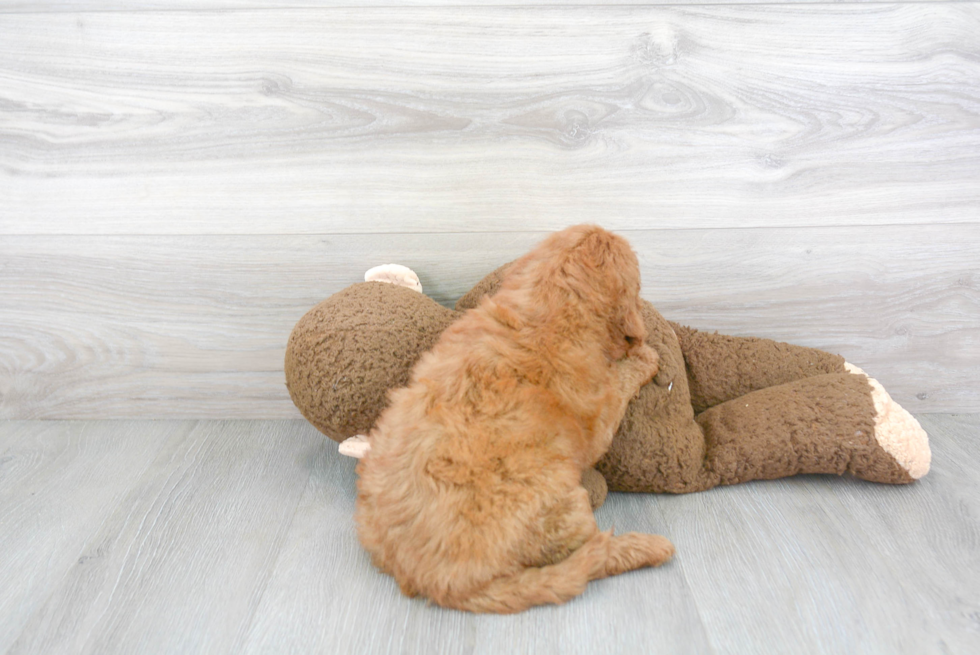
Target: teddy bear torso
{"points": [[659, 447]]}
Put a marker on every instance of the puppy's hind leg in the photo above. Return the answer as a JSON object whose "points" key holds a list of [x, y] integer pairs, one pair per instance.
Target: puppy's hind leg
{"points": [[600, 556], [620, 553], [634, 550]]}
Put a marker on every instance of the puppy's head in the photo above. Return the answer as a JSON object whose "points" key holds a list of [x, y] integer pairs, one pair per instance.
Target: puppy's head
{"points": [[596, 272]]}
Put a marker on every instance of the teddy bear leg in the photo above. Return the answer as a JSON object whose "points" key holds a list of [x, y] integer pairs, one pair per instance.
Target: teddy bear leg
{"points": [[722, 367], [822, 424], [898, 432]]}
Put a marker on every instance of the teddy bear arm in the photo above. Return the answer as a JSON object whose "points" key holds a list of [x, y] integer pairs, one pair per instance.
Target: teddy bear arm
{"points": [[485, 287], [722, 367], [595, 485], [821, 424]]}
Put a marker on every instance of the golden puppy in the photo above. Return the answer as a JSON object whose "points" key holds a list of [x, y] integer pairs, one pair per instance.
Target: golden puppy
{"points": [[471, 493]]}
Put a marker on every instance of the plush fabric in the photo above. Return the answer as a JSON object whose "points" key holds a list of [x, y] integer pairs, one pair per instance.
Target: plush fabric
{"points": [[721, 409], [347, 352]]}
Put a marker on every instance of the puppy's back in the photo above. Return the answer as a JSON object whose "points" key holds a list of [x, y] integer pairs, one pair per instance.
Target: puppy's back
{"points": [[471, 492], [459, 467]]}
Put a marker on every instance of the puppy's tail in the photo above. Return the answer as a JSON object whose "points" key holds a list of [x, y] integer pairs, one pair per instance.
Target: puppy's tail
{"points": [[601, 556]]}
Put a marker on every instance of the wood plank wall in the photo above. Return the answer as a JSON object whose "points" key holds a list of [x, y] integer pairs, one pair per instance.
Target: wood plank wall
{"points": [[181, 183]]}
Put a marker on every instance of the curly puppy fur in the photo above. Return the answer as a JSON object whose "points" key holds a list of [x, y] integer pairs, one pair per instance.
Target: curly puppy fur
{"points": [[471, 493]]}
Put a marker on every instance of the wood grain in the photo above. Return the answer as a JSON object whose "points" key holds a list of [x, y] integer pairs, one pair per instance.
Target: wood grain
{"points": [[59, 482], [182, 563], [501, 118], [836, 564], [793, 562], [44, 6], [182, 180], [183, 327], [238, 537], [324, 591], [927, 539]]}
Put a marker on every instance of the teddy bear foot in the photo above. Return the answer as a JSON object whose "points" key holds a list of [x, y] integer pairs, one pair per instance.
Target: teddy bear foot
{"points": [[356, 446], [394, 274], [897, 431]]}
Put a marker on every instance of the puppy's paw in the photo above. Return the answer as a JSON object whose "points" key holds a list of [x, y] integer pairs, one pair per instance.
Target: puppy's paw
{"points": [[635, 550], [650, 358], [660, 550], [645, 361]]}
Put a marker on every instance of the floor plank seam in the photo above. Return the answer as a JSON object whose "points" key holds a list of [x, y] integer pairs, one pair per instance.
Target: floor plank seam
{"points": [[280, 542], [688, 586]]}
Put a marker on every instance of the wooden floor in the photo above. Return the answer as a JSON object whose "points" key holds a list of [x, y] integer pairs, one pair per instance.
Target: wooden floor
{"points": [[237, 537]]}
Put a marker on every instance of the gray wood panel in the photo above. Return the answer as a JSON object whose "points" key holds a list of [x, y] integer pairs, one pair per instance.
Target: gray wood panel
{"points": [[939, 547], [59, 482], [469, 119], [238, 537], [42, 6], [182, 563], [834, 565], [324, 588], [197, 326]]}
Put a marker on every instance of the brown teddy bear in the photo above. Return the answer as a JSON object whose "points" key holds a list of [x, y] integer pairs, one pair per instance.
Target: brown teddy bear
{"points": [[721, 410]]}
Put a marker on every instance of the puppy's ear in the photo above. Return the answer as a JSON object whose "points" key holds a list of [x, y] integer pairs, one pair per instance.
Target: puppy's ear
{"points": [[618, 268], [599, 248], [591, 264]]}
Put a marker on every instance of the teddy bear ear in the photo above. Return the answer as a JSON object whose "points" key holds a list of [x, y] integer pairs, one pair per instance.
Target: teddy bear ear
{"points": [[485, 287], [397, 274]]}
